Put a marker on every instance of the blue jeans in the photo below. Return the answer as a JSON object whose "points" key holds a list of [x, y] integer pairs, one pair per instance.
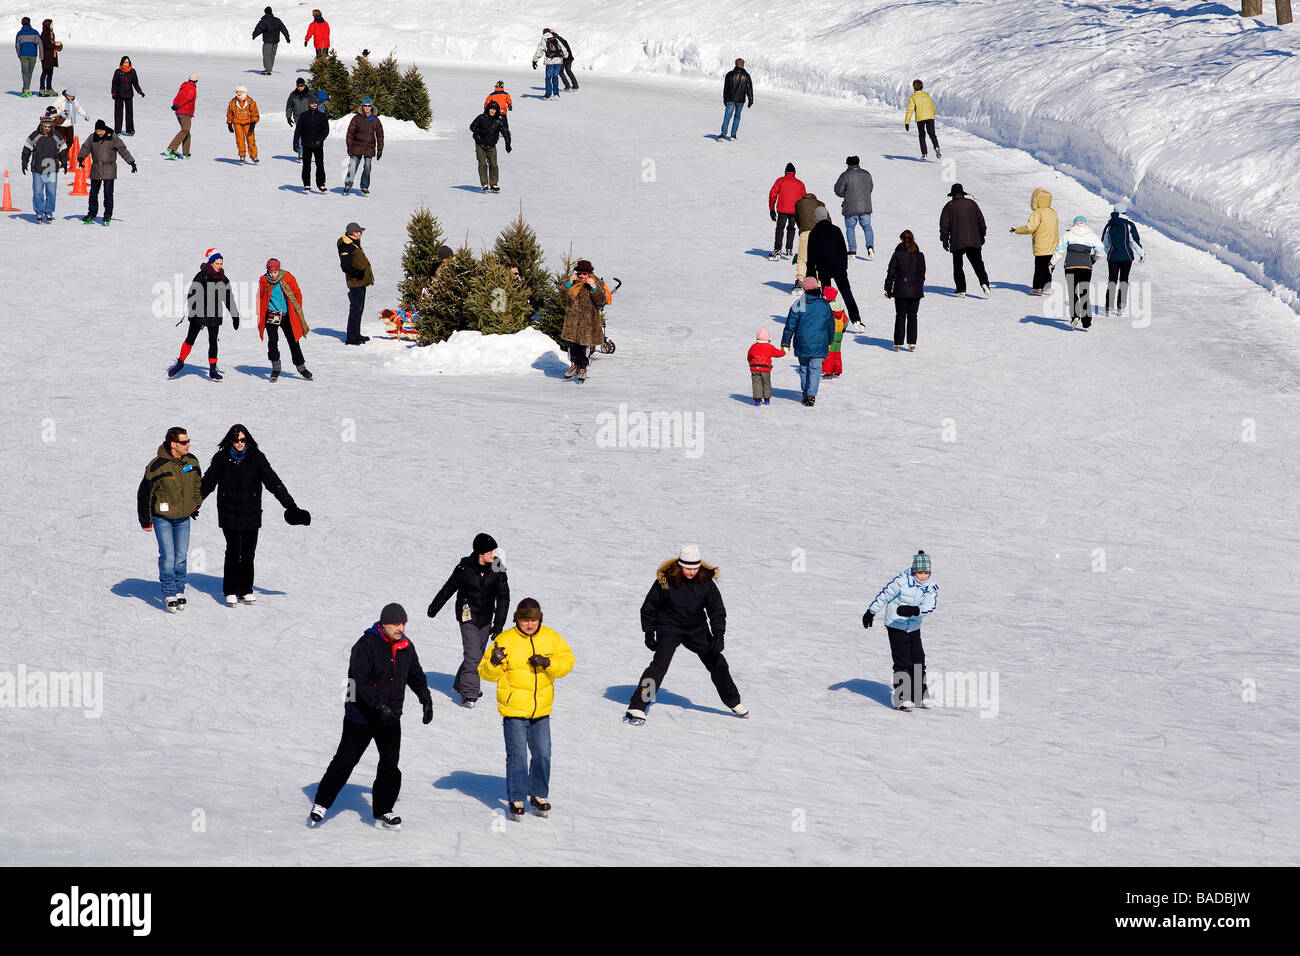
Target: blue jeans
{"points": [[44, 186], [364, 162], [173, 536], [731, 114], [524, 735], [810, 374], [863, 220], [553, 79]]}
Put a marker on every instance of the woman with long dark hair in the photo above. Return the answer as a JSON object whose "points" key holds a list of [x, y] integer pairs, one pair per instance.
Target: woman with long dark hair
{"points": [[124, 86], [905, 284], [239, 471]]}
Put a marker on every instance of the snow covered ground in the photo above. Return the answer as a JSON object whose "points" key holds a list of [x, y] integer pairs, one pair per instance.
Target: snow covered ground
{"points": [[1186, 109], [1110, 513]]}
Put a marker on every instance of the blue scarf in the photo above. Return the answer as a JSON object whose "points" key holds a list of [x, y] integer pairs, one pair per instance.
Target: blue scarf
{"points": [[237, 456]]}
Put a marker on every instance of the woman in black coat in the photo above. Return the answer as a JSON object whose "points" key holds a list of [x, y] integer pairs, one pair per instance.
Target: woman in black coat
{"points": [[209, 293], [239, 471], [124, 81], [905, 284]]}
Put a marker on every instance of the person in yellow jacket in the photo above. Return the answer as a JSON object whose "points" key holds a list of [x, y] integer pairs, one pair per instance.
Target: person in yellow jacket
{"points": [[1043, 226], [525, 662], [241, 119], [921, 105]]}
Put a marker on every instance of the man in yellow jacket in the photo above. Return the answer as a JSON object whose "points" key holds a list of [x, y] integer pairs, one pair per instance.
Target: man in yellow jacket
{"points": [[921, 104], [1043, 226], [525, 662], [241, 119]]}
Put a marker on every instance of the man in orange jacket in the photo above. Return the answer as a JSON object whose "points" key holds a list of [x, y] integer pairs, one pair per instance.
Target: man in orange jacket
{"points": [[241, 119]]}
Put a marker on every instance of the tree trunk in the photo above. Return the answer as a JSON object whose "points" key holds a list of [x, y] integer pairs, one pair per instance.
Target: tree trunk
{"points": [[1252, 8], [1283, 12]]}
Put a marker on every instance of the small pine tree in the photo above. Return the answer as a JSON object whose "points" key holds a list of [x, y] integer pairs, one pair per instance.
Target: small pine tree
{"points": [[518, 246], [413, 100], [443, 311], [329, 74], [365, 82], [420, 256], [497, 305], [388, 83]]}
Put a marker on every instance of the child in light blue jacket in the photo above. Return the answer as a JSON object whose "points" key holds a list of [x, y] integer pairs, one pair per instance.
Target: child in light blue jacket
{"points": [[904, 600]]}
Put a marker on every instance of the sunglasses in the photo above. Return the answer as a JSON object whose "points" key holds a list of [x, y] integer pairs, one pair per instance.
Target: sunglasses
{"points": [[185, 442], [241, 441]]}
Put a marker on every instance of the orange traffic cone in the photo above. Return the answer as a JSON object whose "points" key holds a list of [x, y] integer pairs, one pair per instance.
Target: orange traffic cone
{"points": [[81, 181], [8, 205]]}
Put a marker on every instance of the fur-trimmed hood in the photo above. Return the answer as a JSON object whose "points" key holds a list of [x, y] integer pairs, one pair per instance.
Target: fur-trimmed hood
{"points": [[670, 574]]}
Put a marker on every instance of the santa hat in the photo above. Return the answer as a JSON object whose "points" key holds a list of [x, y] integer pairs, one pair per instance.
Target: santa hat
{"points": [[213, 255]]}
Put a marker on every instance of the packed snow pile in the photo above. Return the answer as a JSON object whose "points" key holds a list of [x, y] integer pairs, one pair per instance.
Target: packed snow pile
{"points": [[394, 129], [1190, 112], [473, 353]]}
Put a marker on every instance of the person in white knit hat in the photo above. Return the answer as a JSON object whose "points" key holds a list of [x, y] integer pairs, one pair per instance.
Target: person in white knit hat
{"points": [[684, 607]]}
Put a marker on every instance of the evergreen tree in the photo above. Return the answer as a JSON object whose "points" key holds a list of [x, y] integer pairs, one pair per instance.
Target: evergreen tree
{"points": [[443, 311], [329, 74], [497, 305], [517, 246], [413, 100], [554, 300], [388, 79], [420, 256]]}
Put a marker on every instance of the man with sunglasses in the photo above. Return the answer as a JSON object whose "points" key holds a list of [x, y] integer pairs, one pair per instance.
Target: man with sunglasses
{"points": [[167, 499]]}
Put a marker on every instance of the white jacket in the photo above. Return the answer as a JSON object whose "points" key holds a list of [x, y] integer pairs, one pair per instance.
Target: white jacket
{"points": [[68, 109], [540, 52], [1079, 235]]}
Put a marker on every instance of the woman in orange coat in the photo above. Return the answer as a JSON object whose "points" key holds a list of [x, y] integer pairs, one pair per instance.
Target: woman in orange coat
{"points": [[279, 309]]}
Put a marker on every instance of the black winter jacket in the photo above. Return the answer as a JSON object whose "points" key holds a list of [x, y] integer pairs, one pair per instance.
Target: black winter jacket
{"points": [[827, 254], [906, 276], [379, 672], [209, 292], [313, 128], [737, 87], [484, 586], [239, 488], [689, 607], [270, 28], [486, 128], [298, 103], [123, 81], [961, 224]]}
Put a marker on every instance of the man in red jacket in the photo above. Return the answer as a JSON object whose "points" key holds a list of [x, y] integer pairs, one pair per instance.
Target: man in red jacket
{"points": [[318, 33], [785, 192], [183, 106]]}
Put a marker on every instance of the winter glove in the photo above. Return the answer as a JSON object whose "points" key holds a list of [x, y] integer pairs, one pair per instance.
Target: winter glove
{"points": [[297, 516], [498, 655], [231, 127], [907, 610], [650, 642], [304, 43], [507, 147], [428, 711], [540, 660], [195, 516], [946, 244], [431, 611], [134, 168], [141, 96], [907, 126], [291, 122], [252, 126], [175, 107], [1012, 229], [867, 619], [772, 213], [63, 167], [717, 645], [387, 715], [234, 321], [534, 64], [378, 156], [24, 169]]}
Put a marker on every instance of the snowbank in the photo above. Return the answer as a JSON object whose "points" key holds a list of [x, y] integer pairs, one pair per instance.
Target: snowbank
{"points": [[1191, 113], [473, 353], [394, 129]]}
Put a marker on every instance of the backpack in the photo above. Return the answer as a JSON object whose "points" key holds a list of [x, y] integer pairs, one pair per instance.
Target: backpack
{"points": [[552, 47]]}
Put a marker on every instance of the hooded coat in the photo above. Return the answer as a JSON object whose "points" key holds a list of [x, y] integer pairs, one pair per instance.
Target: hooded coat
{"points": [[1042, 224], [1120, 240], [488, 126], [805, 210], [484, 587], [684, 607], [103, 152], [1080, 247], [906, 590], [170, 488], [354, 263], [809, 327]]}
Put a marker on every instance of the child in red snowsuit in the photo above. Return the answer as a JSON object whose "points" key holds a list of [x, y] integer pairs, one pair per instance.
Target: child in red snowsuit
{"points": [[760, 357]]}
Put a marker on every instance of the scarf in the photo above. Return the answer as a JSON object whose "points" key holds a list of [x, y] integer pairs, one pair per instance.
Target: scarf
{"points": [[237, 456]]}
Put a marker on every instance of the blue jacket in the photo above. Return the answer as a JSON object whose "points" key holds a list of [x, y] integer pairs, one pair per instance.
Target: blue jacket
{"points": [[905, 589], [28, 42], [811, 327], [1120, 240]]}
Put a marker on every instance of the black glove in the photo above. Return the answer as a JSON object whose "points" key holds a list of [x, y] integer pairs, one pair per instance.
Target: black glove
{"points": [[1012, 229], [297, 516], [252, 126], [304, 43], [175, 107], [534, 64], [507, 147], [234, 320], [141, 96], [773, 214], [907, 126], [195, 516], [867, 619], [498, 655], [718, 645], [134, 168], [428, 711], [540, 660], [650, 641], [387, 715], [291, 122], [432, 612], [907, 610], [24, 169], [945, 246], [63, 167], [231, 127]]}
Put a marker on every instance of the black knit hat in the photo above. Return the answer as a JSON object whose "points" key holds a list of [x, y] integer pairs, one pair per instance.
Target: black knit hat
{"points": [[483, 543], [851, 161], [789, 167], [528, 610], [392, 614], [100, 124]]}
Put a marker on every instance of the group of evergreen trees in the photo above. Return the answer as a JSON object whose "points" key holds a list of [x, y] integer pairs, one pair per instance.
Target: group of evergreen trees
{"points": [[479, 292], [400, 95]]}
